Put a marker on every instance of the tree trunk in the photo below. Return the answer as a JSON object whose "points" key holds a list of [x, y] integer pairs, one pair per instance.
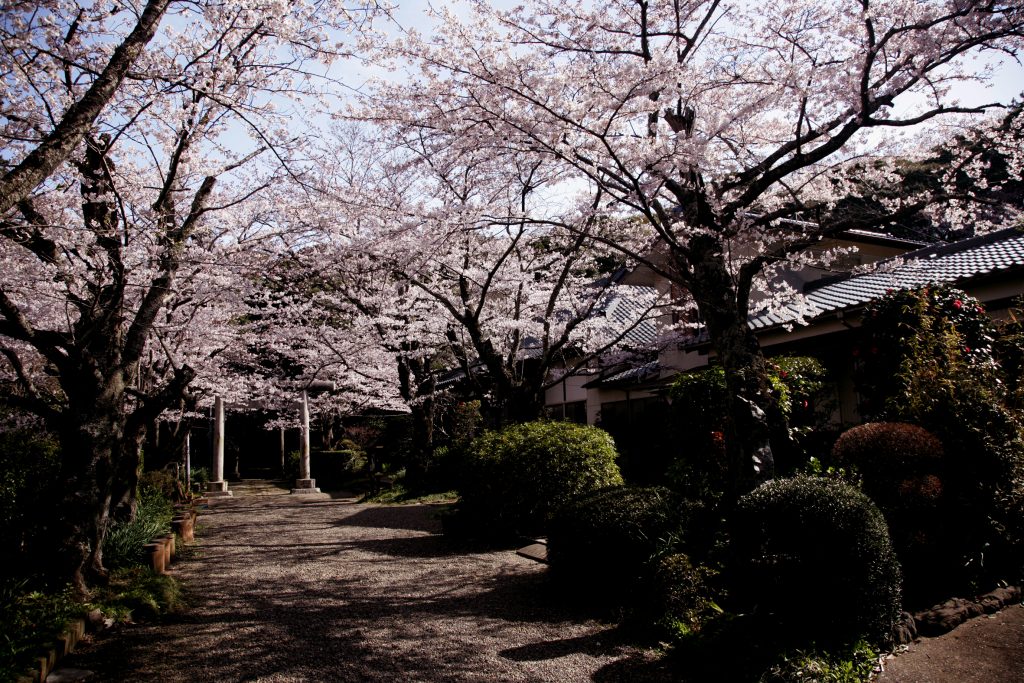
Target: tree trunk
{"points": [[89, 441], [748, 442]]}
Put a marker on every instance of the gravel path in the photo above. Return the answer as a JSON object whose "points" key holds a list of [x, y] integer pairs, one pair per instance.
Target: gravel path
{"points": [[314, 588]]}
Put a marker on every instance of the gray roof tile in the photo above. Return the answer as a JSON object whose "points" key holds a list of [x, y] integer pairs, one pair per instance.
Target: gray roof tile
{"points": [[942, 264]]}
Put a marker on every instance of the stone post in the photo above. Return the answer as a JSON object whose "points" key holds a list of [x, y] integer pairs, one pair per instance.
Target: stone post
{"points": [[284, 455], [304, 484], [188, 459], [218, 487]]}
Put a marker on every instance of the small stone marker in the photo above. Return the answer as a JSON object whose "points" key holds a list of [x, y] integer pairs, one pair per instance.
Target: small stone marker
{"points": [[535, 551]]}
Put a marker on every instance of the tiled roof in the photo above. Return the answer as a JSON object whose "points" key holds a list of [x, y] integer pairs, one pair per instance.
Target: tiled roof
{"points": [[627, 304], [634, 375], [942, 264]]}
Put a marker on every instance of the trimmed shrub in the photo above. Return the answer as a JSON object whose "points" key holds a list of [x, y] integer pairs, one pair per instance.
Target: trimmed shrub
{"points": [[515, 479], [888, 455], [808, 542], [602, 545], [901, 466]]}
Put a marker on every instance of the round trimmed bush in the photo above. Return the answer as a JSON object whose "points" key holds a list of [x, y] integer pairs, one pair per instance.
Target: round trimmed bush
{"points": [[515, 479], [601, 546], [815, 554], [890, 456]]}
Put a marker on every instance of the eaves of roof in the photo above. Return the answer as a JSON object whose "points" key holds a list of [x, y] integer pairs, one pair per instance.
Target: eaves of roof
{"points": [[1000, 252]]}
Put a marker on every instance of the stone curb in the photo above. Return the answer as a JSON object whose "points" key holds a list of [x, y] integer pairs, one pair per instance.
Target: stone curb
{"points": [[946, 616], [64, 645]]}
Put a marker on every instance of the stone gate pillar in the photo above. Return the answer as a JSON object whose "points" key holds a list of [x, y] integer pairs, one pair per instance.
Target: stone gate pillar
{"points": [[304, 484], [218, 487]]}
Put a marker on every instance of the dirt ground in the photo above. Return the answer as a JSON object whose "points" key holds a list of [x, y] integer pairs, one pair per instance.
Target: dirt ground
{"points": [[987, 649]]}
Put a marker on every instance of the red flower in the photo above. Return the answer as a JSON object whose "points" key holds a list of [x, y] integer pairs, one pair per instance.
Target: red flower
{"points": [[805, 404], [783, 374], [967, 349], [957, 304]]}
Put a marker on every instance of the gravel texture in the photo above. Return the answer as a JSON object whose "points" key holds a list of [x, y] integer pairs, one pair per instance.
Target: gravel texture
{"points": [[314, 588]]}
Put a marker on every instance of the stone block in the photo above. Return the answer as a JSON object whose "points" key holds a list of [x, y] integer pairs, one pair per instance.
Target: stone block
{"points": [[217, 489], [305, 486]]}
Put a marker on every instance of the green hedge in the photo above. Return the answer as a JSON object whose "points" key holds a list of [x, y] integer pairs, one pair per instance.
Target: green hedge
{"points": [[602, 545], [815, 555], [515, 479]]}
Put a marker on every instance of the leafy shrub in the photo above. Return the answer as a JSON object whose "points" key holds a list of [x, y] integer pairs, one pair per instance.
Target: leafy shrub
{"points": [[135, 593], [700, 400], [124, 542], [200, 478], [806, 542], [850, 664], [30, 621], [516, 478], [685, 596], [160, 481], [931, 362], [604, 546]]}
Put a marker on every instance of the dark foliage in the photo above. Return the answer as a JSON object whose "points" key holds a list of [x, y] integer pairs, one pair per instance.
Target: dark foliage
{"points": [[515, 479], [605, 546], [29, 466], [809, 542]]}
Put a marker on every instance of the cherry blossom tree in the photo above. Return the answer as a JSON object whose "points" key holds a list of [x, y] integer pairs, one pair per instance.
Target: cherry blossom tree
{"points": [[724, 128], [128, 214]]}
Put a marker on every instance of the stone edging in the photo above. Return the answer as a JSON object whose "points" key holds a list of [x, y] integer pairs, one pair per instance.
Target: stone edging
{"points": [[944, 617], [159, 555]]}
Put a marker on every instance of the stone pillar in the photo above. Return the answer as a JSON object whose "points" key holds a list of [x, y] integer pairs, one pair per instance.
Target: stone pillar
{"points": [[284, 455], [304, 484], [188, 459], [218, 487]]}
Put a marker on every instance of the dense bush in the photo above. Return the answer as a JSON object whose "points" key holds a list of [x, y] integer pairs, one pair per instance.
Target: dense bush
{"points": [[929, 359], [888, 456], [901, 469], [29, 466], [815, 554], [700, 402], [514, 479], [605, 545]]}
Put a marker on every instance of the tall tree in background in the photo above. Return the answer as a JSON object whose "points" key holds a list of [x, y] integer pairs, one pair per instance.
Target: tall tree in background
{"points": [[716, 122], [97, 238]]}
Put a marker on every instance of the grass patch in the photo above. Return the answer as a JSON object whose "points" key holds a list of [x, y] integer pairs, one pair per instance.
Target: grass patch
{"points": [[138, 594], [399, 495]]}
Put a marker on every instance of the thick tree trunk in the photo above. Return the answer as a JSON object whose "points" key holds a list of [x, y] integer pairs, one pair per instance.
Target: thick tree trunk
{"points": [[748, 439], [416, 385], [89, 443]]}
